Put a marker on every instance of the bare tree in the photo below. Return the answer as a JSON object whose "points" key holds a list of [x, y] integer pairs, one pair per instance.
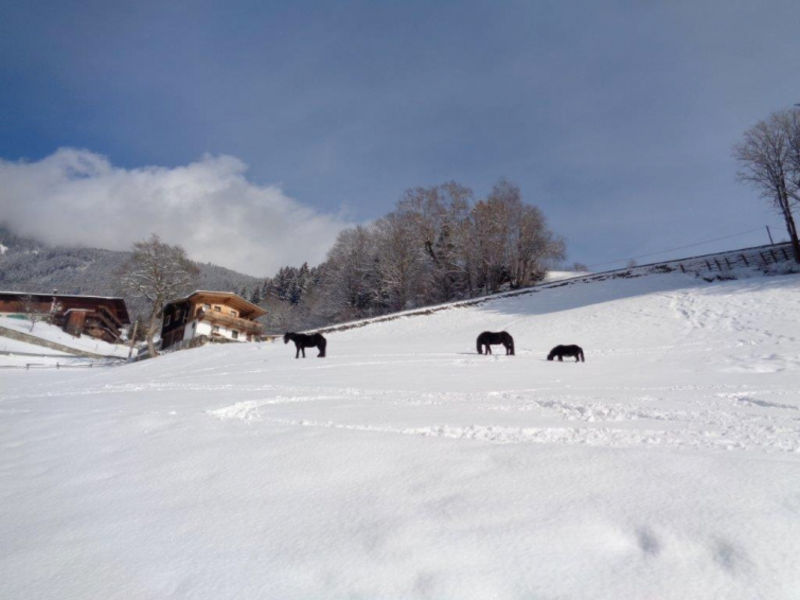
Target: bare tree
{"points": [[770, 160], [434, 247], [440, 220], [514, 243], [158, 273], [790, 123], [400, 261], [490, 234], [31, 308], [349, 278]]}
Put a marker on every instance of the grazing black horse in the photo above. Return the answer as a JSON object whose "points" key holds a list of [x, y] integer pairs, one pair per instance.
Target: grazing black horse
{"points": [[487, 338], [303, 341], [562, 351]]}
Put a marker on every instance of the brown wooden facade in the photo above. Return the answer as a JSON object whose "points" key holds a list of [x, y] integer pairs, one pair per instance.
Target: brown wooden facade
{"points": [[100, 317], [222, 315]]}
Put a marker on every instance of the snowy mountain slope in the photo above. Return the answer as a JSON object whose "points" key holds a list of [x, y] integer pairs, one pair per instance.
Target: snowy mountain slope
{"points": [[404, 465], [28, 265]]}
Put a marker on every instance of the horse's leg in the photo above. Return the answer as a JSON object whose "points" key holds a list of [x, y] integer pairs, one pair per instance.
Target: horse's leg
{"points": [[297, 350], [303, 350], [488, 349], [560, 358]]}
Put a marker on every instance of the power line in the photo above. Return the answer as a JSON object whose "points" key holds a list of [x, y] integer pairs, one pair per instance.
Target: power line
{"points": [[724, 237]]}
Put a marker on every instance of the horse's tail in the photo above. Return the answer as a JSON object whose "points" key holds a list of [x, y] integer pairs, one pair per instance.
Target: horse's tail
{"points": [[511, 344], [322, 344], [580, 353]]}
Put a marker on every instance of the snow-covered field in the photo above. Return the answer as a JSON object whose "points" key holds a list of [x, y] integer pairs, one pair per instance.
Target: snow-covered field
{"points": [[404, 465]]}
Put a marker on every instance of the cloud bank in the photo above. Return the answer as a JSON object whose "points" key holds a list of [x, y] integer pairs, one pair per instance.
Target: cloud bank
{"points": [[77, 197]]}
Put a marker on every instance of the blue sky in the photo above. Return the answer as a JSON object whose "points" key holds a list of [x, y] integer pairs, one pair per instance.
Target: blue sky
{"points": [[616, 118]]}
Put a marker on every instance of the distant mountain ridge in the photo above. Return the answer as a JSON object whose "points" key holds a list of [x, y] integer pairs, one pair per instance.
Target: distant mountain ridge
{"points": [[27, 265]]}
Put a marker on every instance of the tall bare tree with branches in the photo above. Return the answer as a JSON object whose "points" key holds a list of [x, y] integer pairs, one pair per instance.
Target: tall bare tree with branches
{"points": [[769, 156], [158, 273]]}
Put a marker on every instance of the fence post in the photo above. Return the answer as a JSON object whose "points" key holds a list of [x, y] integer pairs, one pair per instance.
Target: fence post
{"points": [[744, 260], [708, 265], [772, 252], [766, 261], [727, 262], [785, 254], [719, 268], [682, 269]]}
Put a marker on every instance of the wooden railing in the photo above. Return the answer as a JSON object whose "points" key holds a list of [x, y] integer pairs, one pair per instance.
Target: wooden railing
{"points": [[231, 322]]}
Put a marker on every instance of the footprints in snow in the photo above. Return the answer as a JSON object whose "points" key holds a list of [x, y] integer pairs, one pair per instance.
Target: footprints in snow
{"points": [[723, 553], [722, 421]]}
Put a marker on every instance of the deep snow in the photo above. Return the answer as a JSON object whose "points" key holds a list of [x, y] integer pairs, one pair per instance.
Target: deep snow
{"points": [[404, 465]]}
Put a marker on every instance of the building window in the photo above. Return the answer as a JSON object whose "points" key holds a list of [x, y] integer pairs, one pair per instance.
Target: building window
{"points": [[206, 307], [234, 313], [217, 309], [214, 329], [235, 334]]}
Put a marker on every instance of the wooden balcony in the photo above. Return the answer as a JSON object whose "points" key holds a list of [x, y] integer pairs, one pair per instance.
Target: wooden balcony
{"points": [[218, 318]]}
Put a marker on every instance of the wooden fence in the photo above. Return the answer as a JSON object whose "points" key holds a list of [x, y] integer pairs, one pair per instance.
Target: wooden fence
{"points": [[708, 266]]}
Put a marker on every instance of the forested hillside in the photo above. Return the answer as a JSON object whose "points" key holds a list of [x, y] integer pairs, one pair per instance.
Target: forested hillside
{"points": [[30, 266], [441, 243]]}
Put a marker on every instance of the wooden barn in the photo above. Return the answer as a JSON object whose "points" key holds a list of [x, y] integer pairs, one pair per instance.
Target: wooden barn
{"points": [[98, 316], [210, 315]]}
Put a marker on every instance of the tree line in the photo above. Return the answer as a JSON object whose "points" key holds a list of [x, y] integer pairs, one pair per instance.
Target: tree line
{"points": [[438, 244]]}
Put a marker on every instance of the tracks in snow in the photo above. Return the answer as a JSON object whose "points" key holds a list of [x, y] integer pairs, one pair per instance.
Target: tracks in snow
{"points": [[682, 417], [688, 417]]}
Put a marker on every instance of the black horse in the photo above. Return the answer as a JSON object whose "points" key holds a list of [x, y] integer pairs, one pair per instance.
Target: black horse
{"points": [[303, 341], [562, 351], [487, 338]]}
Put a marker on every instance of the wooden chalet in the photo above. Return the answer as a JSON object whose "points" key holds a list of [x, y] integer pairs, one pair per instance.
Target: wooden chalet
{"points": [[97, 316], [217, 316]]}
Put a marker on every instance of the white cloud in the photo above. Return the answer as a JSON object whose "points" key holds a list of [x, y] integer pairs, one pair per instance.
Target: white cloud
{"points": [[77, 197]]}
